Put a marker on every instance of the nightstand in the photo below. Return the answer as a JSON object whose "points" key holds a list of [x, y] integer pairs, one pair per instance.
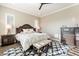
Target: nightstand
{"points": [[7, 39]]}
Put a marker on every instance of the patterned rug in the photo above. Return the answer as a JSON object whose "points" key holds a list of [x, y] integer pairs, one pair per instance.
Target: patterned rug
{"points": [[73, 51], [57, 49]]}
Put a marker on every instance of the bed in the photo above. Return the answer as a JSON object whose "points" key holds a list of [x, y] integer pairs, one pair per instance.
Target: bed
{"points": [[27, 36]]}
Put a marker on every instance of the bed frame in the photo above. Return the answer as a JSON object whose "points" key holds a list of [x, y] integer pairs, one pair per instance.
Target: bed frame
{"points": [[25, 26], [19, 29]]}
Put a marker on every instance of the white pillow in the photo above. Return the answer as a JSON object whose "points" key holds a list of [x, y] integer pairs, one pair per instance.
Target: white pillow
{"points": [[28, 30]]}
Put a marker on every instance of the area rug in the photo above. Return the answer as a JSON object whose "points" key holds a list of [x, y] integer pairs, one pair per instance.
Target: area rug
{"points": [[57, 49], [73, 51]]}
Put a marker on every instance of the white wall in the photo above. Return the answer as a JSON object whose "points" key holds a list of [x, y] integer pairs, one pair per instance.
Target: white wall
{"points": [[51, 24], [20, 18]]}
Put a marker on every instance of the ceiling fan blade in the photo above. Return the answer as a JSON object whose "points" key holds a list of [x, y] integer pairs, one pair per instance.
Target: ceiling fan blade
{"points": [[42, 5]]}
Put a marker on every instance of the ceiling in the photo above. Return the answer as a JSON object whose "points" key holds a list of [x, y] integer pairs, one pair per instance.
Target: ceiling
{"points": [[33, 8]]}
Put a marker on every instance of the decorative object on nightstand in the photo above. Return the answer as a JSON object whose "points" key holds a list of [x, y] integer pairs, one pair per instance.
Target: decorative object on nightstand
{"points": [[7, 39]]}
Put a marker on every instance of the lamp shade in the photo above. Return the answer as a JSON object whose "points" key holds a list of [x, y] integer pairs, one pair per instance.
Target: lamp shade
{"points": [[8, 26], [36, 24], [8, 29]]}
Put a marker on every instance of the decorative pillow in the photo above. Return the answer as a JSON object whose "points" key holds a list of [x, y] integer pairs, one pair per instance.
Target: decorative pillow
{"points": [[28, 30]]}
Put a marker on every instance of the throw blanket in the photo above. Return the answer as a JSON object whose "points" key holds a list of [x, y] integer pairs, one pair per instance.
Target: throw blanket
{"points": [[27, 39]]}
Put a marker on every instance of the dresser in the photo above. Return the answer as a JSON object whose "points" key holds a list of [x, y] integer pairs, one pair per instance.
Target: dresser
{"points": [[7, 39], [77, 36], [68, 35]]}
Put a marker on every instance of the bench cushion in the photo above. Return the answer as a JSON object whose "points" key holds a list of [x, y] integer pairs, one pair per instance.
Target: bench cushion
{"points": [[42, 43]]}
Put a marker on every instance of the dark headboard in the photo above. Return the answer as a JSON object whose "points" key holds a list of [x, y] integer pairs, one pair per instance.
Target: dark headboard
{"points": [[25, 26]]}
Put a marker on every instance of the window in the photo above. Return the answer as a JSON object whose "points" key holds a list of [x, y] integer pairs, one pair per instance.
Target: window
{"points": [[9, 23]]}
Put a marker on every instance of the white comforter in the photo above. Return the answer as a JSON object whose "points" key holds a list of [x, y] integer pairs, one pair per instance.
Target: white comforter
{"points": [[27, 40]]}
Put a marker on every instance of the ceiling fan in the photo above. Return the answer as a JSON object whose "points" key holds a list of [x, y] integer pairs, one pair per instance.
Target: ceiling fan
{"points": [[42, 5]]}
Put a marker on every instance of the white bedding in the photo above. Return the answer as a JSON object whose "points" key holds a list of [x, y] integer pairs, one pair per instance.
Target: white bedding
{"points": [[27, 39]]}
